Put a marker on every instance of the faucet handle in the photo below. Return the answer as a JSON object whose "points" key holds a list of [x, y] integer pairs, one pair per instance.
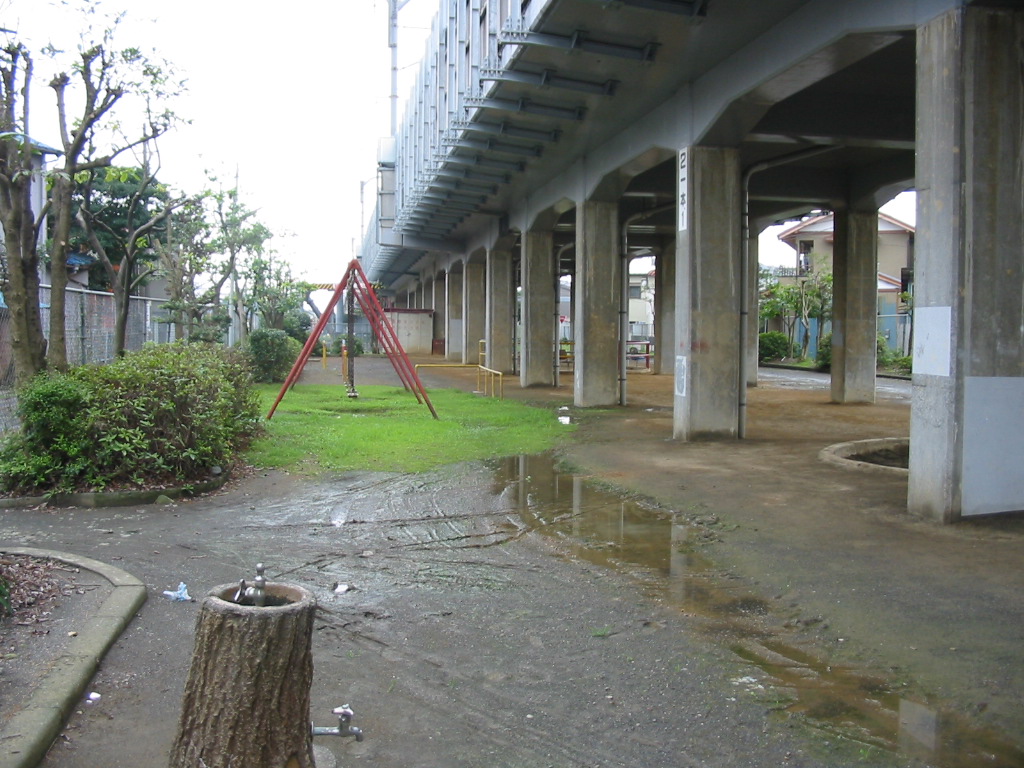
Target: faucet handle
{"points": [[345, 728]]}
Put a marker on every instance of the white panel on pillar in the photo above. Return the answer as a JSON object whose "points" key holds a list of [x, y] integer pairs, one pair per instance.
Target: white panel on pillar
{"points": [[932, 339], [993, 445]]}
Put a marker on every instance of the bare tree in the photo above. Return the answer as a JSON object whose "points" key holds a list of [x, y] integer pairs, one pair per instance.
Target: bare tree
{"points": [[186, 257], [99, 76]]}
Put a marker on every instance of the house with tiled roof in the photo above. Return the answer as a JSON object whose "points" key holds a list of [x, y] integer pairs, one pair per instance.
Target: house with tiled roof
{"points": [[812, 240]]}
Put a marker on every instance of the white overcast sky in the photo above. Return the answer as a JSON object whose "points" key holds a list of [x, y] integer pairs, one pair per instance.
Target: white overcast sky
{"points": [[292, 96]]}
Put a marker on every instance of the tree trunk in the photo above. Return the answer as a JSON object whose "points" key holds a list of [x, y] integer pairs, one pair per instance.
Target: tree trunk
{"points": [[28, 342], [57, 351], [121, 306], [246, 701]]}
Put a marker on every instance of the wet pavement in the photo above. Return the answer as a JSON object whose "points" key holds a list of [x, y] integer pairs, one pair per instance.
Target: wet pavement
{"points": [[517, 613]]}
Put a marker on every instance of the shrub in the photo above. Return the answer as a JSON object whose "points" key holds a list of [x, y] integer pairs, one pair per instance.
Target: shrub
{"points": [[903, 364], [271, 354], [824, 357], [883, 354], [298, 324], [163, 415], [773, 345], [341, 340]]}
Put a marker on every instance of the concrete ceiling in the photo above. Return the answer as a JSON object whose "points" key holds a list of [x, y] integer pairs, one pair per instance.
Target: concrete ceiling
{"points": [[591, 68]]}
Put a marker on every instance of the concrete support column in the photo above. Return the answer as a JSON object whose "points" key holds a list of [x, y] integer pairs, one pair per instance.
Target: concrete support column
{"points": [[706, 402], [967, 414], [437, 296], [665, 310], [453, 312], [854, 306], [598, 288], [473, 312], [501, 311], [539, 301]]}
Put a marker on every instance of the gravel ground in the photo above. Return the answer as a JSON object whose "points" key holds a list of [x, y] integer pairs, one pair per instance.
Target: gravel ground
{"points": [[477, 632]]}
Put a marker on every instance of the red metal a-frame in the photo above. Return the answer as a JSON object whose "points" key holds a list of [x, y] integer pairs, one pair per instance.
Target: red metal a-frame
{"points": [[368, 302]]}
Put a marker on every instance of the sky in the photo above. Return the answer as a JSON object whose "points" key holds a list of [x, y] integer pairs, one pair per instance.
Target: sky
{"points": [[289, 98], [772, 252]]}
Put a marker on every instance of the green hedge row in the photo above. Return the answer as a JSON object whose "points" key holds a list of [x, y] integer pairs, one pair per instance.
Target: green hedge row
{"points": [[167, 414]]}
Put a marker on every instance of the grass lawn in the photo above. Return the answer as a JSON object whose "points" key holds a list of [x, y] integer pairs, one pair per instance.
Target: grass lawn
{"points": [[318, 428]]}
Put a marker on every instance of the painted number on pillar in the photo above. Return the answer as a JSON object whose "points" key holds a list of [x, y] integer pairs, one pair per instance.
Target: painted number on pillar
{"points": [[682, 190]]}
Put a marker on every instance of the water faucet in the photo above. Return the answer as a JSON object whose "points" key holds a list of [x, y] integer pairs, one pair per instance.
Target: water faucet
{"points": [[255, 595], [344, 727]]}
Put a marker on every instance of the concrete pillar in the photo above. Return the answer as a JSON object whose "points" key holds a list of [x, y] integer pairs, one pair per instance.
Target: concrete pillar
{"points": [[453, 312], [438, 292], [967, 414], [665, 310], [501, 313], [539, 302], [854, 306], [706, 402], [473, 312], [598, 288]]}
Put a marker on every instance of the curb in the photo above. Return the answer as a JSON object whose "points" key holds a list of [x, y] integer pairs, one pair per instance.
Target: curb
{"points": [[115, 498], [27, 736], [839, 454]]}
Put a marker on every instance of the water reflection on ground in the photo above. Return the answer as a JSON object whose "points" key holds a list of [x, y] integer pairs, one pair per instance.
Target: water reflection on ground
{"points": [[664, 552]]}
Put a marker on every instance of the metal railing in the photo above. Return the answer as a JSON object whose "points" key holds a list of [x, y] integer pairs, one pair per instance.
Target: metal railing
{"points": [[488, 381]]}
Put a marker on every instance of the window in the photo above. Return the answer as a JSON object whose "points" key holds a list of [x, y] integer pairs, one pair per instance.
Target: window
{"points": [[805, 248]]}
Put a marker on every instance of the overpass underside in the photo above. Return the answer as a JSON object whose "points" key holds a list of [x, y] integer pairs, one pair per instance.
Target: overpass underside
{"points": [[560, 139]]}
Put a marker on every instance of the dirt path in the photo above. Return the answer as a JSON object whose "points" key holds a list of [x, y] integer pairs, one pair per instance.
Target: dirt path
{"points": [[475, 634]]}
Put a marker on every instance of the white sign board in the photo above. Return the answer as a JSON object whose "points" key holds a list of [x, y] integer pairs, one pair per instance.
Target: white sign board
{"points": [[933, 330], [682, 190], [680, 376]]}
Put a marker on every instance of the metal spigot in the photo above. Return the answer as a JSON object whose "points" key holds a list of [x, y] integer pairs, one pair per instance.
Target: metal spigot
{"points": [[344, 728], [256, 594]]}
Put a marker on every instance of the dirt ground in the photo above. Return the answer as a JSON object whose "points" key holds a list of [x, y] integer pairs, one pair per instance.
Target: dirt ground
{"points": [[475, 632]]}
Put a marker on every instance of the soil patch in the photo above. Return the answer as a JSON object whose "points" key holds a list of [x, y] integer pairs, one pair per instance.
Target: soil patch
{"points": [[50, 601], [898, 456]]}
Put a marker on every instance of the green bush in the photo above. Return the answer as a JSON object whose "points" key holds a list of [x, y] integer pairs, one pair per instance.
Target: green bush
{"points": [[773, 345], [903, 364], [298, 324], [886, 357], [823, 359], [341, 340], [271, 354], [163, 415]]}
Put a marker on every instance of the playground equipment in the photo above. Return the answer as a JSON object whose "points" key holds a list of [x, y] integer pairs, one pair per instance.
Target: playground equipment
{"points": [[360, 291]]}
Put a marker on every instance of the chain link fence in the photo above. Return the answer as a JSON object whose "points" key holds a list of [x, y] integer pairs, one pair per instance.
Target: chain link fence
{"points": [[89, 328]]}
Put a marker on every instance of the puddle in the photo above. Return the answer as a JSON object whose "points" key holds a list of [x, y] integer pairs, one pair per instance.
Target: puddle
{"points": [[661, 550]]}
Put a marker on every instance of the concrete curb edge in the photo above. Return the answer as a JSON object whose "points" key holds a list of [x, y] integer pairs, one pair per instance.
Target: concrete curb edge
{"points": [[27, 736], [839, 454], [115, 498]]}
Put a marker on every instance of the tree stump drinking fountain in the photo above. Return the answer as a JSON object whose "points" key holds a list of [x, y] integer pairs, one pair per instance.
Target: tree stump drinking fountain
{"points": [[247, 695]]}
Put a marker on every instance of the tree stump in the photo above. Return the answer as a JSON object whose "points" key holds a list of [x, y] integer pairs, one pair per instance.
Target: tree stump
{"points": [[246, 701]]}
